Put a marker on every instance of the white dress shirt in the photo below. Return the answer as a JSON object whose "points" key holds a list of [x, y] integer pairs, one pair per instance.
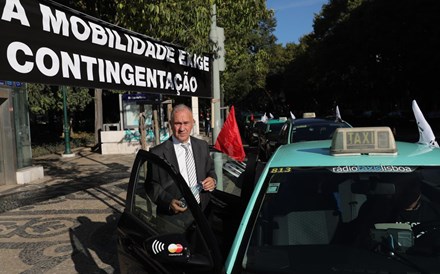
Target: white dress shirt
{"points": [[180, 155]]}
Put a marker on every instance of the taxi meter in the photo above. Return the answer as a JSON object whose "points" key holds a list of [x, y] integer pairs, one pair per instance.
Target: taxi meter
{"points": [[363, 140]]}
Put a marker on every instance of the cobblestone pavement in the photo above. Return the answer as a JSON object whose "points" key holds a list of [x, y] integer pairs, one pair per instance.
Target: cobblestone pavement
{"points": [[66, 222]]}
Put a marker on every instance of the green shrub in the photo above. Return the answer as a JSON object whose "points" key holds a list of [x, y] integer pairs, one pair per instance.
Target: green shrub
{"points": [[77, 140]]}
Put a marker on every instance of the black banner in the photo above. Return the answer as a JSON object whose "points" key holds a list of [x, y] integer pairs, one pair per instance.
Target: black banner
{"points": [[45, 42]]}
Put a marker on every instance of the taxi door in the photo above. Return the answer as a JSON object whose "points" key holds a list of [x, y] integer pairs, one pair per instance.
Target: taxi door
{"points": [[150, 238]]}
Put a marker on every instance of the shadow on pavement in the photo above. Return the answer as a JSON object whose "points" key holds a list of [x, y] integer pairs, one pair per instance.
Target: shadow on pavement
{"points": [[67, 177], [99, 238]]}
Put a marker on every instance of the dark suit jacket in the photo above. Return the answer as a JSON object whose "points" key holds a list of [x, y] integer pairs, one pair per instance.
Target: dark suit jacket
{"points": [[165, 190]]}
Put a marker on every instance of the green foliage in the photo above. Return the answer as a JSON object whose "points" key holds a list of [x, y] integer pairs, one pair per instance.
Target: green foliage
{"points": [[184, 23], [43, 98], [367, 54], [248, 29], [78, 140]]}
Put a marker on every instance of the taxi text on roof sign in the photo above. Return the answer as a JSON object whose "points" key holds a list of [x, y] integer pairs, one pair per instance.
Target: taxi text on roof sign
{"points": [[363, 140]]}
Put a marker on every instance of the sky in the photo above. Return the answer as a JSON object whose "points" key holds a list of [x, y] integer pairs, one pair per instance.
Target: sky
{"points": [[294, 18]]}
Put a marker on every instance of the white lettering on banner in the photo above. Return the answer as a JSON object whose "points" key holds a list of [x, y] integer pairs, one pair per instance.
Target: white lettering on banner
{"points": [[127, 74], [76, 30], [43, 53], [59, 22], [118, 43], [69, 65], [12, 50], [112, 70], [139, 75], [90, 61], [99, 36], [83, 30], [193, 61], [108, 71], [138, 46], [14, 10], [170, 55], [101, 73], [111, 38], [129, 43]]}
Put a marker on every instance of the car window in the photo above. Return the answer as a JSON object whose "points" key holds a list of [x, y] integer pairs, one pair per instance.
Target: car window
{"points": [[284, 133], [313, 132], [276, 127], [333, 214], [260, 126], [229, 173], [151, 205]]}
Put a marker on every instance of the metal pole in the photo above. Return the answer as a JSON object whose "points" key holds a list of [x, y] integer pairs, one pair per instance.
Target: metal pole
{"points": [[156, 128], [66, 123], [217, 123], [215, 102]]}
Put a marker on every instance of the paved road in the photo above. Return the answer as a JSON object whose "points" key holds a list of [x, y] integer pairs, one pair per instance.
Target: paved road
{"points": [[65, 223]]}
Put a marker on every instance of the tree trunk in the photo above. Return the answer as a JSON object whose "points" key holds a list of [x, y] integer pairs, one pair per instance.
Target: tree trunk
{"points": [[142, 127], [98, 115]]}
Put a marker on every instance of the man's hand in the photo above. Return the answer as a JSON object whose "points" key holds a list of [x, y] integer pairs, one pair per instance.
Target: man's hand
{"points": [[176, 207], [209, 184]]}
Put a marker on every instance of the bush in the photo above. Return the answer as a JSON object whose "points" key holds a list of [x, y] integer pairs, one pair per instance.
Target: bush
{"points": [[77, 140]]}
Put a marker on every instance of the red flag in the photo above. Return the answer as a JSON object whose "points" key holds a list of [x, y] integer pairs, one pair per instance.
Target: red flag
{"points": [[229, 139]]}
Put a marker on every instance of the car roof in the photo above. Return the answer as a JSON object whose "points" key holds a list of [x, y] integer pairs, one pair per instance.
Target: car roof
{"points": [[254, 114], [315, 121], [317, 153], [275, 121]]}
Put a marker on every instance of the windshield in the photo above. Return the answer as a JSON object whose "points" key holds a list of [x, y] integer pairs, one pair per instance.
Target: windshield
{"points": [[314, 132], [276, 127], [347, 219]]}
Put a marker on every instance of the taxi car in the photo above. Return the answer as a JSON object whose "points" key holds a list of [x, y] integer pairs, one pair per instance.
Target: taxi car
{"points": [[265, 133], [248, 125], [150, 241], [304, 129], [352, 204]]}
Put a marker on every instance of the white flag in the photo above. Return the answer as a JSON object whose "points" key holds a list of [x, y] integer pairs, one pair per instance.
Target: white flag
{"points": [[271, 116], [427, 137], [292, 115], [338, 114]]}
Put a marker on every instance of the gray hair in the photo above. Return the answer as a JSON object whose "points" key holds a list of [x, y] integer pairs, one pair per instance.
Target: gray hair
{"points": [[178, 108]]}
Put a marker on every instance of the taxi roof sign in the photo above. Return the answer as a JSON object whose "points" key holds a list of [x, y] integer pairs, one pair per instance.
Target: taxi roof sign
{"points": [[363, 140], [309, 115]]}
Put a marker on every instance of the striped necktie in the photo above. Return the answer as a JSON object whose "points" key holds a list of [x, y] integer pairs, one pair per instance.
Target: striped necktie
{"points": [[191, 170]]}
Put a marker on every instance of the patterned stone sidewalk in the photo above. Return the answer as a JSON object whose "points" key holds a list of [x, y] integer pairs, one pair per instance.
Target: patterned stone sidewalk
{"points": [[67, 222]]}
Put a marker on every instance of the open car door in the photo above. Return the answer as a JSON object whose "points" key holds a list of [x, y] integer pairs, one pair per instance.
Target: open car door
{"points": [[152, 240]]}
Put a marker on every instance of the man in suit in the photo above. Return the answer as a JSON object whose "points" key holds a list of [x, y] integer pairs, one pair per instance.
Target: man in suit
{"points": [[176, 151]]}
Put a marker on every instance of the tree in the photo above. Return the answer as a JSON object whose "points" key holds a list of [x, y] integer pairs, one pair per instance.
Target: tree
{"points": [[47, 101], [248, 28]]}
